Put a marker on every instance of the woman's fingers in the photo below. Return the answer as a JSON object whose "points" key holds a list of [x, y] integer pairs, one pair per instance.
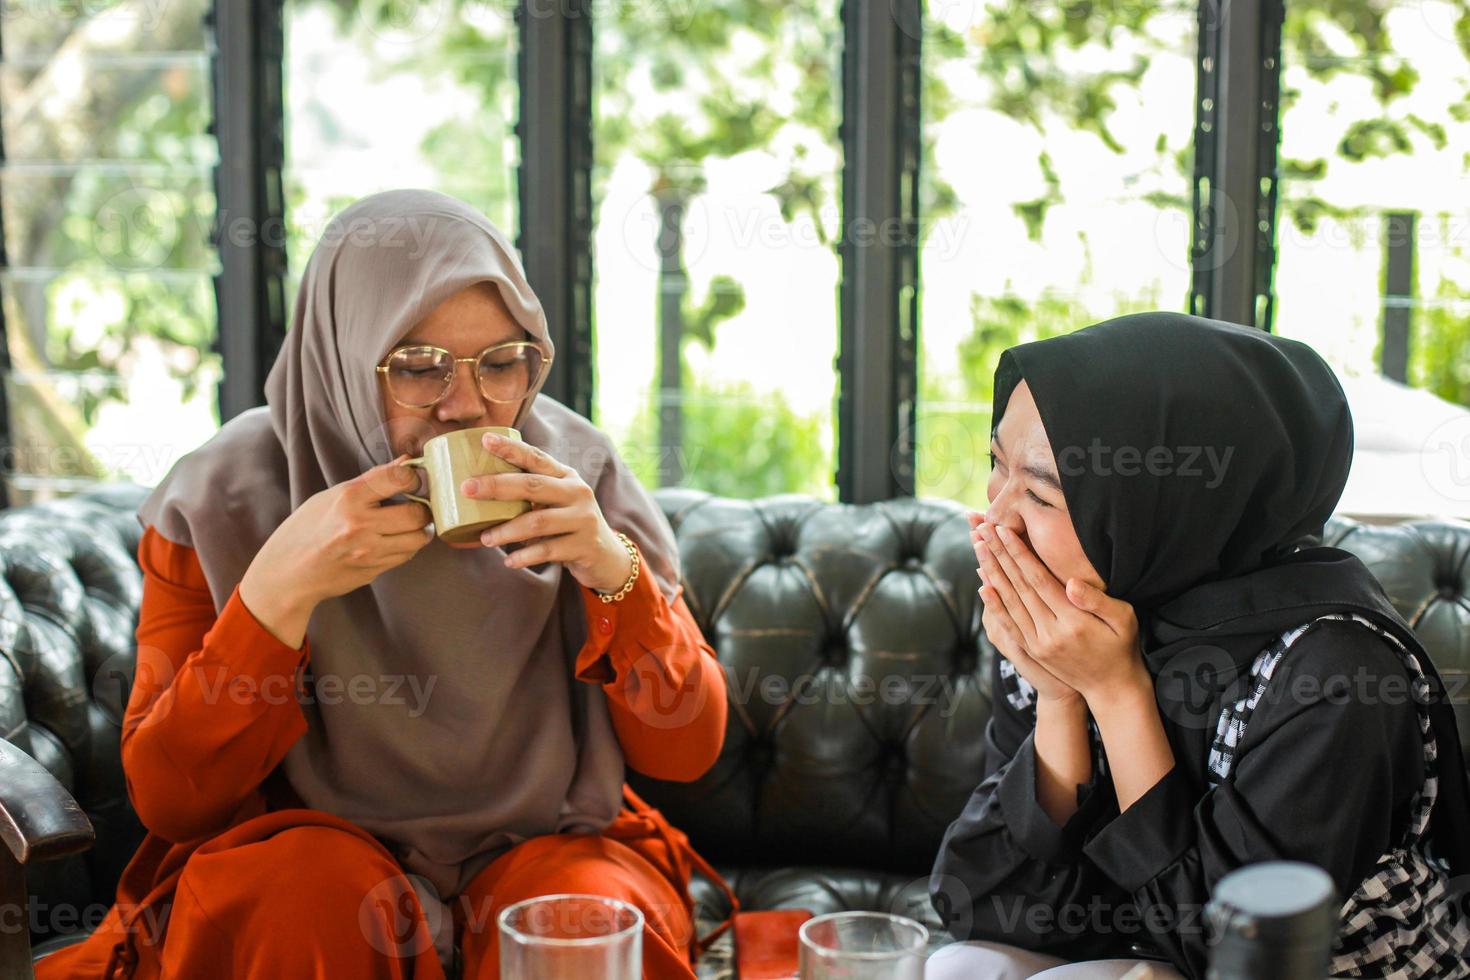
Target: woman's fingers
{"points": [[1116, 613], [1035, 578], [528, 458], [399, 548], [997, 580], [1006, 637], [1021, 592], [531, 524], [998, 626], [390, 551], [401, 518], [548, 549], [534, 487], [382, 481]]}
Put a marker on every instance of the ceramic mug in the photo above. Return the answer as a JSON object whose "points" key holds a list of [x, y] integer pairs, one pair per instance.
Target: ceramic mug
{"points": [[449, 460]]}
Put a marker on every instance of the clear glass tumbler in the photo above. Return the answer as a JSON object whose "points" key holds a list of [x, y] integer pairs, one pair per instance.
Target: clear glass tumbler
{"points": [[571, 937], [862, 946]]}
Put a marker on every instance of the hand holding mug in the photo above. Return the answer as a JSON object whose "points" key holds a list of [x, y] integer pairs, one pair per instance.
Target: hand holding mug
{"points": [[450, 459], [564, 524], [339, 539]]}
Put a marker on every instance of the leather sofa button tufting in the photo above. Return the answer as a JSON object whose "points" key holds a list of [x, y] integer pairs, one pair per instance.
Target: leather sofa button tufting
{"points": [[833, 790]]}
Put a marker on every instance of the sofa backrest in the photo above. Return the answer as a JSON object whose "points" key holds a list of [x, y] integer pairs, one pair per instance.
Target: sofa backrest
{"points": [[802, 599], [69, 595], [857, 671], [850, 636]]}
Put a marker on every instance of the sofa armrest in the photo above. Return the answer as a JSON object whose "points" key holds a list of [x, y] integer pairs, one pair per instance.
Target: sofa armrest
{"points": [[39, 821]]}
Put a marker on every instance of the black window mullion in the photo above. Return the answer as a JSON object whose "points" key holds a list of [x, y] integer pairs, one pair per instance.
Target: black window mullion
{"points": [[1399, 235], [1268, 137], [245, 47], [878, 350], [1235, 160], [555, 184]]}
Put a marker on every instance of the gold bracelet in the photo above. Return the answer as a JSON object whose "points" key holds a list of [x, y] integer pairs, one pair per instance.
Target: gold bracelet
{"points": [[632, 576]]}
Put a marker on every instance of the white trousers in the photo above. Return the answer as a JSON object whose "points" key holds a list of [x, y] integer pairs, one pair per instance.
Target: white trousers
{"points": [[998, 961]]}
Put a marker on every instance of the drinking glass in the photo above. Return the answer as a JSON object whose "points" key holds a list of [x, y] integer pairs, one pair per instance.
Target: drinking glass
{"points": [[571, 937], [862, 946]]}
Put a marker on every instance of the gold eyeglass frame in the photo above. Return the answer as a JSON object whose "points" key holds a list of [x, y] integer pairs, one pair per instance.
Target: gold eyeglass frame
{"points": [[454, 369]]}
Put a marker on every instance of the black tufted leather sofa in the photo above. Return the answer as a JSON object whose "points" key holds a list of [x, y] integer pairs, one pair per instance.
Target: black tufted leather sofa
{"points": [[850, 637]]}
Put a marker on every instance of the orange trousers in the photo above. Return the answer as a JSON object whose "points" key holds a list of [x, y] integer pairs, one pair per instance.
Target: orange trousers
{"points": [[281, 899]]}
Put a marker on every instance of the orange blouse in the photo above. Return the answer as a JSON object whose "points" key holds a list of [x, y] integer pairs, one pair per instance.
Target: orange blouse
{"points": [[212, 711]]}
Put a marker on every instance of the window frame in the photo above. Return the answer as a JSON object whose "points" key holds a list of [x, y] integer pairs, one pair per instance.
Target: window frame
{"points": [[555, 130], [878, 350], [1236, 136], [245, 41], [1238, 62]]}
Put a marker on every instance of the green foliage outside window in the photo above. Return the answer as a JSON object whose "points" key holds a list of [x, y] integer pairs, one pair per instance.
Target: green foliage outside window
{"points": [[125, 246]]}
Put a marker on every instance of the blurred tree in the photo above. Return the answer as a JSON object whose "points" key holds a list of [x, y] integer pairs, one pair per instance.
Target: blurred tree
{"points": [[1037, 65], [1353, 39], [107, 204], [739, 442], [1028, 56], [682, 85], [956, 428], [1058, 69], [1440, 349], [467, 43]]}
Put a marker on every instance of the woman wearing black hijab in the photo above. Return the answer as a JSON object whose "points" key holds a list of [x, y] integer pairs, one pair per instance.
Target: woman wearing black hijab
{"points": [[1188, 683]]}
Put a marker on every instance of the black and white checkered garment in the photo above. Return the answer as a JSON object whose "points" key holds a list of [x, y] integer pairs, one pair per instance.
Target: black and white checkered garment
{"points": [[1403, 922]]}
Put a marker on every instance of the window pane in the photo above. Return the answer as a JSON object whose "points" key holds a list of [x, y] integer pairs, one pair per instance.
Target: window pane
{"points": [[1373, 231], [716, 124], [1055, 193], [107, 197], [1375, 100], [392, 95], [54, 32]]}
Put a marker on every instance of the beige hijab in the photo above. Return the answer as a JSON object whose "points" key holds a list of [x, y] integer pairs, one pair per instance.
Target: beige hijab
{"points": [[507, 744]]}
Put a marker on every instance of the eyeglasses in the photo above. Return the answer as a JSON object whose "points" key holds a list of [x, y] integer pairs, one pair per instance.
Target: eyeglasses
{"points": [[421, 375]]}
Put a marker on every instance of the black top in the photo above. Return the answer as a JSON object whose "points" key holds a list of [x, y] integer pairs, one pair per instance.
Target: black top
{"points": [[1216, 559], [1325, 778], [1199, 461]]}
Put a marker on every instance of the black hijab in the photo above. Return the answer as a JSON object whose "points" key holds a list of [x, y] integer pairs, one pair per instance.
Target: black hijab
{"points": [[1200, 461]]}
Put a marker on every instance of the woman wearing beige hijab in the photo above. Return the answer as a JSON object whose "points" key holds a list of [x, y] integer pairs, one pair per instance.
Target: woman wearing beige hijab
{"points": [[351, 743]]}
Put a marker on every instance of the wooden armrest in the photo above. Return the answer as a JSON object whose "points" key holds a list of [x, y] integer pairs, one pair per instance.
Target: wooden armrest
{"points": [[39, 820]]}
